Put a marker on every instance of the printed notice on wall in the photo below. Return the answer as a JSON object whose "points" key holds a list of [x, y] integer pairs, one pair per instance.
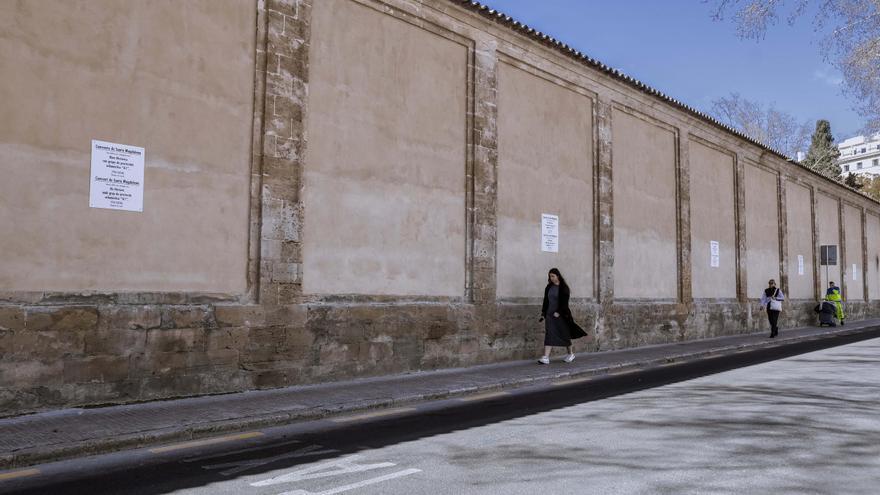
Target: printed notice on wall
{"points": [[549, 233], [855, 272], [117, 181], [800, 264], [714, 254]]}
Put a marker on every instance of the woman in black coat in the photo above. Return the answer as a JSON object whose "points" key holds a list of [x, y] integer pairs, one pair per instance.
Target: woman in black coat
{"points": [[559, 325]]}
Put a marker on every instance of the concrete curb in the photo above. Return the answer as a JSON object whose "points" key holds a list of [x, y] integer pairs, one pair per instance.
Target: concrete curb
{"points": [[57, 452]]}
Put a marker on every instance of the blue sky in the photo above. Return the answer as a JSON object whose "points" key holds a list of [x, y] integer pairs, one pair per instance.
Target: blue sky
{"points": [[676, 47]]}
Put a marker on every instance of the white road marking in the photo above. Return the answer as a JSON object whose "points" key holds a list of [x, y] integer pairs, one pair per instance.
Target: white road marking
{"points": [[245, 464], [359, 484], [343, 465]]}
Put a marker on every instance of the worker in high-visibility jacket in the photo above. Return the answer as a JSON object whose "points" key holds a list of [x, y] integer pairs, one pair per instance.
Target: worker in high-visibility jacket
{"points": [[833, 295]]}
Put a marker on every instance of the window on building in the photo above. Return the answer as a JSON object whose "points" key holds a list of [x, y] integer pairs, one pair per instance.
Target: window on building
{"points": [[846, 168], [875, 162], [863, 150], [859, 166]]}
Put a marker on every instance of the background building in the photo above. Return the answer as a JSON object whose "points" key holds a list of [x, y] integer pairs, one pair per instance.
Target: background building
{"points": [[860, 155]]}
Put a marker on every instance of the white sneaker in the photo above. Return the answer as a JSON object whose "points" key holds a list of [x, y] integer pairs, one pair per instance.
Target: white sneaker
{"points": [[544, 360], [569, 358]]}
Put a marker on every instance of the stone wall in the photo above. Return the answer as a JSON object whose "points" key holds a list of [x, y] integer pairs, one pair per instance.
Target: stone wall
{"points": [[396, 171]]}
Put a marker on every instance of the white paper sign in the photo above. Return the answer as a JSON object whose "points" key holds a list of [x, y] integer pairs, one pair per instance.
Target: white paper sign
{"points": [[800, 264], [855, 272], [549, 233], [117, 181], [714, 254]]}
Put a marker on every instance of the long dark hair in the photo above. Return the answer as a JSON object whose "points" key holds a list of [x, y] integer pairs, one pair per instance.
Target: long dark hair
{"points": [[562, 284]]}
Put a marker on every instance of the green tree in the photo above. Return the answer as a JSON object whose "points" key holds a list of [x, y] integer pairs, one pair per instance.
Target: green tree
{"points": [[822, 155], [854, 181]]}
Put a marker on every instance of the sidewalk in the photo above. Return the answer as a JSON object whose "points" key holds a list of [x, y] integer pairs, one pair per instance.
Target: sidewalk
{"points": [[71, 433]]}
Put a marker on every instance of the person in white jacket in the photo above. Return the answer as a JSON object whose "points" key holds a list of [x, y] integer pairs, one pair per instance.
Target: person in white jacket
{"points": [[771, 300]]}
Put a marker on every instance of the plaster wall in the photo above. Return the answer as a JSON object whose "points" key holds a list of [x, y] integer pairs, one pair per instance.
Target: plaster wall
{"points": [[545, 165], [799, 222], [713, 218], [854, 269], [644, 178], [74, 71], [872, 231], [829, 234], [384, 181], [762, 229], [376, 126]]}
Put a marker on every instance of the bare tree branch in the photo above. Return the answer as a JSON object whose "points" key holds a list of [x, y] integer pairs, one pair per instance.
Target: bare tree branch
{"points": [[852, 46], [770, 126]]}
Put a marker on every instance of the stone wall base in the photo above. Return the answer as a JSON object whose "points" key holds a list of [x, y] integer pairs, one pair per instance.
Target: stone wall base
{"points": [[66, 356]]}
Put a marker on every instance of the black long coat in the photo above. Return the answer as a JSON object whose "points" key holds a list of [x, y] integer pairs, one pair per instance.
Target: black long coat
{"points": [[564, 311]]}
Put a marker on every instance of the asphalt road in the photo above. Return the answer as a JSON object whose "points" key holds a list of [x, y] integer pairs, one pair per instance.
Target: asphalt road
{"points": [[804, 424]]}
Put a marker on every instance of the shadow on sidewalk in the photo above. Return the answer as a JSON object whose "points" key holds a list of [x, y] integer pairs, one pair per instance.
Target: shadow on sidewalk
{"points": [[117, 473]]}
